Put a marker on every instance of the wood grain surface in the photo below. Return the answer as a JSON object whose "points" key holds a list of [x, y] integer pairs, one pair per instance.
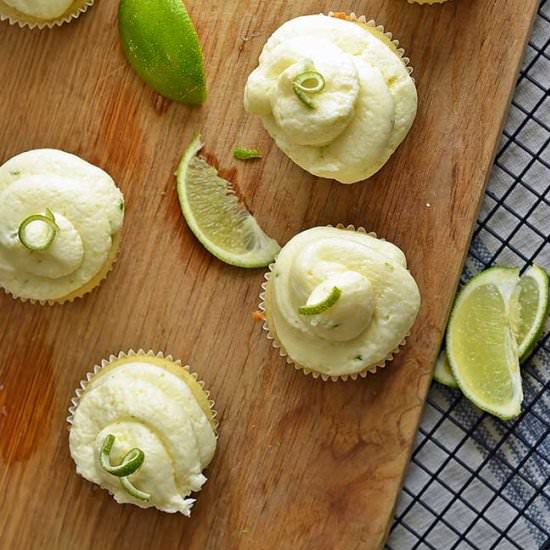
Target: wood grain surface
{"points": [[301, 464]]}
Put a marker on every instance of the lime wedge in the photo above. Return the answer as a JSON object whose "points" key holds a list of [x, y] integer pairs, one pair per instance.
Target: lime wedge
{"points": [[162, 46], [481, 347], [530, 309], [443, 373], [217, 216]]}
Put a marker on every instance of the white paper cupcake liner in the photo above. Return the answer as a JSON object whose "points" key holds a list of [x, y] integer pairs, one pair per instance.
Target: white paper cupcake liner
{"points": [[380, 28], [11, 17], [276, 344], [75, 400]]}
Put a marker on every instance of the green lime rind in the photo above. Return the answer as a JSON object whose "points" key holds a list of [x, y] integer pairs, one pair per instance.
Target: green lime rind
{"points": [[303, 92], [481, 346], [216, 215], [302, 78], [162, 46], [304, 98], [532, 300], [133, 491], [49, 219], [242, 153], [443, 373], [328, 302]]}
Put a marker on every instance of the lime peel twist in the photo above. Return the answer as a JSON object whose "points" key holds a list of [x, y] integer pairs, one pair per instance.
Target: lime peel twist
{"points": [[131, 462], [133, 490], [49, 219], [306, 84], [320, 307]]}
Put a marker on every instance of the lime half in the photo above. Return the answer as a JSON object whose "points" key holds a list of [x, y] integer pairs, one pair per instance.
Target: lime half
{"points": [[481, 346], [162, 46], [217, 216], [530, 309], [443, 373]]}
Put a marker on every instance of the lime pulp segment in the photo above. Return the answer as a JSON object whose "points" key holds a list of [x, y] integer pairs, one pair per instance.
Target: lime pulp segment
{"points": [[217, 216], [531, 308], [481, 347]]}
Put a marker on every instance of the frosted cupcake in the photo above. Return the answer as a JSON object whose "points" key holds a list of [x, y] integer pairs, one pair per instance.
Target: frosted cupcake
{"points": [[143, 428], [335, 93], [339, 302], [60, 222], [42, 13]]}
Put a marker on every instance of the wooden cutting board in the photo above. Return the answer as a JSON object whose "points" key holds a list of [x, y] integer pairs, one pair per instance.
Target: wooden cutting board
{"points": [[301, 464]]}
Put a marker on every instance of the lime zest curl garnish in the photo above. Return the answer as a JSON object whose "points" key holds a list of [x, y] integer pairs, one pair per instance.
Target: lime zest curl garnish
{"points": [[49, 219], [131, 462], [132, 490], [328, 302], [306, 84], [241, 153], [310, 82]]}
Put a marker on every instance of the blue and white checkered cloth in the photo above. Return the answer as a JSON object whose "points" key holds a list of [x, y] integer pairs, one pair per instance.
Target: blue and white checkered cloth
{"points": [[475, 481]]}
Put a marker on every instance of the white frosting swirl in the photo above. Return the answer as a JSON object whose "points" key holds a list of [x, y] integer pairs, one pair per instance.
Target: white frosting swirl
{"points": [[145, 403], [378, 304], [364, 112], [41, 9], [87, 207]]}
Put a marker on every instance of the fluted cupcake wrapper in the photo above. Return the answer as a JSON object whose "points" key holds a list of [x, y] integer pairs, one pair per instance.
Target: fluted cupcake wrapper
{"points": [[15, 17], [361, 19], [102, 274], [75, 400], [276, 344]]}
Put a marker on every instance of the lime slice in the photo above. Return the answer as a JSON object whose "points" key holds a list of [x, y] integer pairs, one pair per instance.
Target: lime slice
{"points": [[481, 347], [530, 309], [328, 302], [443, 373], [163, 48], [216, 215]]}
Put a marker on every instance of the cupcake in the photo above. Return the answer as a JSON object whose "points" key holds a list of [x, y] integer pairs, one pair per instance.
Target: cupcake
{"points": [[335, 93], [42, 13], [143, 427], [60, 222], [339, 302]]}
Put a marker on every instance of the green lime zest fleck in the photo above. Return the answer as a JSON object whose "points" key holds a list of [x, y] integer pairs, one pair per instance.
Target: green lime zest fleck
{"points": [[329, 301], [306, 84], [132, 490], [49, 219], [358, 357], [121, 205], [241, 153]]}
